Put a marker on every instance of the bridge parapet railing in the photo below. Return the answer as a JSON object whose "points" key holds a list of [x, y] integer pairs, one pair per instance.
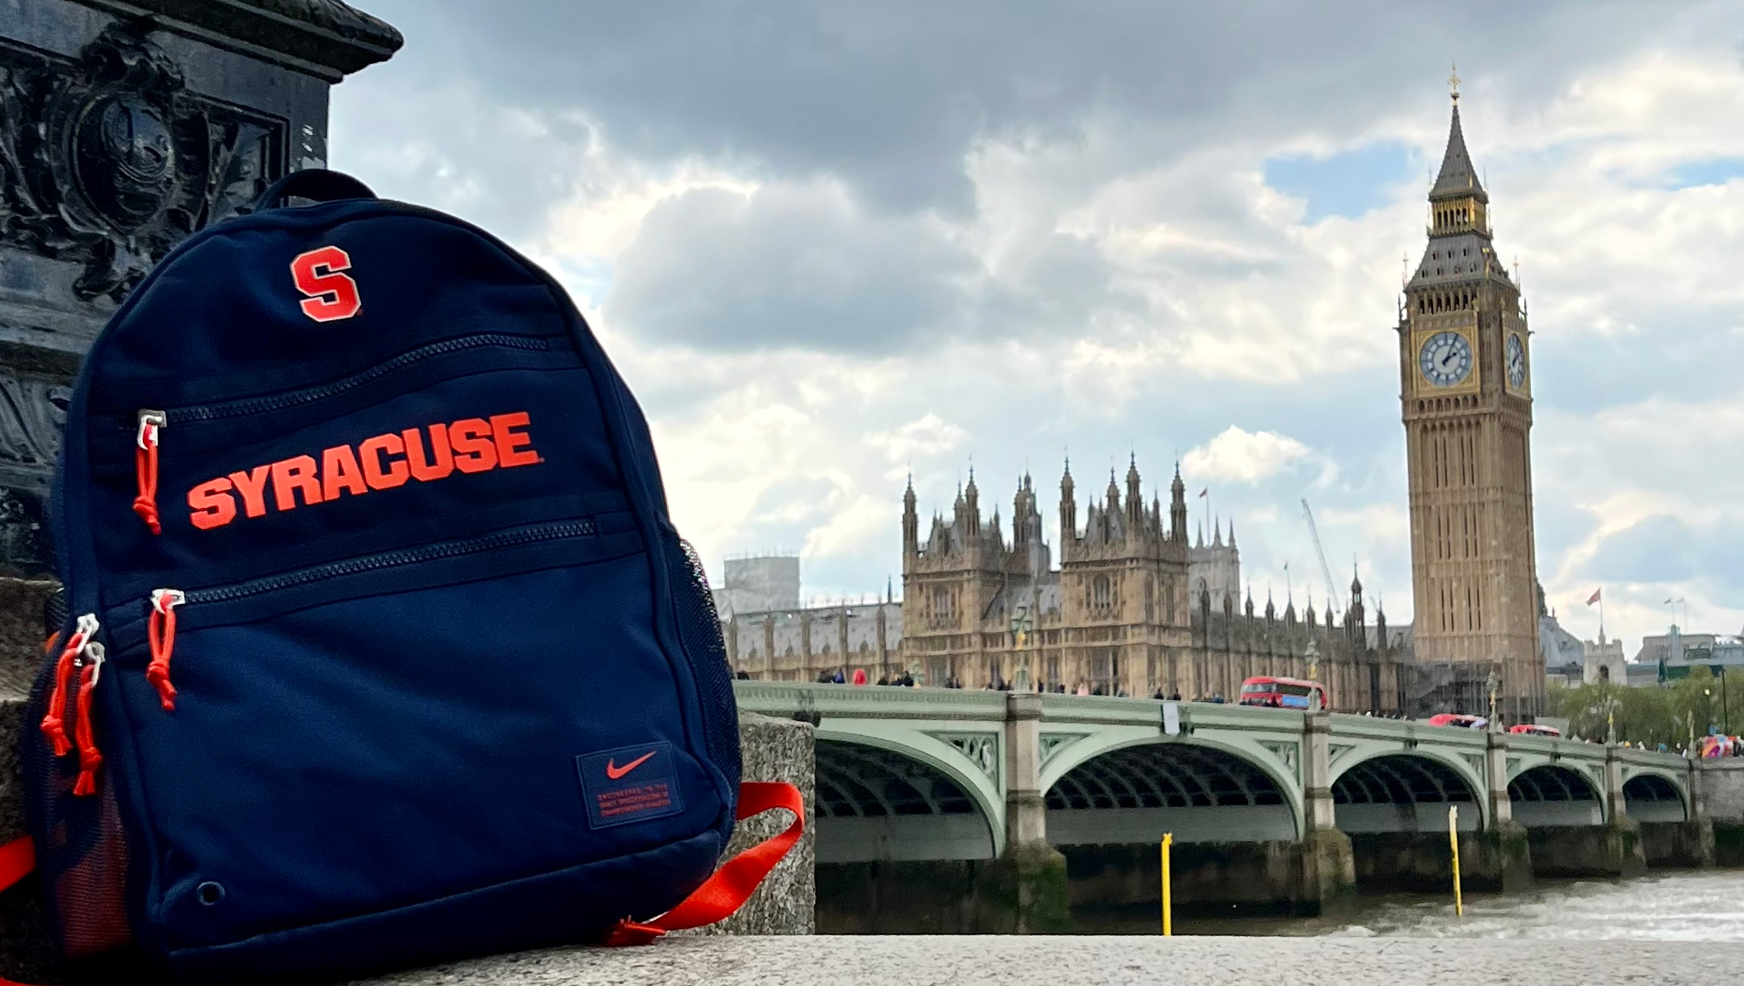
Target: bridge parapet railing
{"points": [[1347, 726], [1103, 710], [785, 699], [1653, 758], [1556, 748]]}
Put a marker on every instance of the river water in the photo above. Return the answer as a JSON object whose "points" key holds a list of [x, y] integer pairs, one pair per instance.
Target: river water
{"points": [[1665, 906]]}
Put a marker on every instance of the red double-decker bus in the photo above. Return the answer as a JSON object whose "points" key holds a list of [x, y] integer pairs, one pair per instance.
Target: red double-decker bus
{"points": [[1284, 693]]}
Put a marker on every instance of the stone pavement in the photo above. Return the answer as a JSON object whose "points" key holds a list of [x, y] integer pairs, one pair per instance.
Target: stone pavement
{"points": [[1073, 960]]}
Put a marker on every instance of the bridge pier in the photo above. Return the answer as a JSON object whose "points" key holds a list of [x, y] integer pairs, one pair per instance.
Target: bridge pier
{"points": [[1504, 855], [1678, 845], [1031, 872], [1327, 861], [1717, 797]]}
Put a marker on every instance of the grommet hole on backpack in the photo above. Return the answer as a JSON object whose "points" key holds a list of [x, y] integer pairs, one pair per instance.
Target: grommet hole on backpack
{"points": [[209, 893]]}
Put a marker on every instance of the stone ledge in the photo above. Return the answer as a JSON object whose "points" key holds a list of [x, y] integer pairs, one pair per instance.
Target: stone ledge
{"points": [[1072, 960]]}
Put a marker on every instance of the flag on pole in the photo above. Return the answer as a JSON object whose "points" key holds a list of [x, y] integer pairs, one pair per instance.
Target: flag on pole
{"points": [[1203, 492], [1594, 597]]}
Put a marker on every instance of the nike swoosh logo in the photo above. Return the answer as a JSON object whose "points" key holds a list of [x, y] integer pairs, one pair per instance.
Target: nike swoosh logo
{"points": [[614, 771]]}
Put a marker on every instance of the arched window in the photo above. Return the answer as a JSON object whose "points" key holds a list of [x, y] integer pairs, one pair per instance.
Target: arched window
{"points": [[1101, 593]]}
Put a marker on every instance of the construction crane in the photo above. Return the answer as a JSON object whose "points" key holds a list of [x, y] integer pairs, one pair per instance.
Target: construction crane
{"points": [[1325, 569]]}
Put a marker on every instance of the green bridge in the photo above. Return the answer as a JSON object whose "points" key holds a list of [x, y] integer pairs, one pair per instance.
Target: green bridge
{"points": [[955, 810]]}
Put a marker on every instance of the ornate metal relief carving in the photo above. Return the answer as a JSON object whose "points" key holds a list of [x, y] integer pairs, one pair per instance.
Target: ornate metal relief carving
{"points": [[1285, 751], [1475, 761], [109, 160], [982, 749], [32, 413], [1053, 743]]}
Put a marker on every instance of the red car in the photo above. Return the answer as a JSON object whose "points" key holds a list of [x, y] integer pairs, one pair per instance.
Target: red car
{"points": [[1533, 729], [1459, 720]]}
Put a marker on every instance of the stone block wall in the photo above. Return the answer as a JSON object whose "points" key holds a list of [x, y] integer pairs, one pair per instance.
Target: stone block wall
{"points": [[776, 750], [1722, 789]]}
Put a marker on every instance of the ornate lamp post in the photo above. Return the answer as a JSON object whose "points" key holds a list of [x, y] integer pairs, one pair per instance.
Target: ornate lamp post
{"points": [[1021, 626]]}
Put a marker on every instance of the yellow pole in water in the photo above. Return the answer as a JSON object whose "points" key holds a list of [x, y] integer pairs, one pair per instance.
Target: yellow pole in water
{"points": [[1453, 838], [1168, 905]]}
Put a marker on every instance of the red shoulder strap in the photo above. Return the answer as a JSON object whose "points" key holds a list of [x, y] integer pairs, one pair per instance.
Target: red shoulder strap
{"points": [[731, 885]]}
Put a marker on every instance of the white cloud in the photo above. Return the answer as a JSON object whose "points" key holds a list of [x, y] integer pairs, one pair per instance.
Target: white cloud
{"points": [[1244, 457], [927, 437]]}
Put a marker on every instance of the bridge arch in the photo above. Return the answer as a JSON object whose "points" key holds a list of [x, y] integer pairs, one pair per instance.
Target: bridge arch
{"points": [[883, 798], [1131, 790], [1552, 794], [1655, 796], [1405, 790]]}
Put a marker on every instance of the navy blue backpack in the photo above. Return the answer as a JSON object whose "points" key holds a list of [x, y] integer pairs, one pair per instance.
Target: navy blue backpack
{"points": [[382, 647]]}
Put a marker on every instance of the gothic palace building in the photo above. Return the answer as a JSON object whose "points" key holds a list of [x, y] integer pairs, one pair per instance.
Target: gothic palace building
{"points": [[1133, 609], [1126, 612]]}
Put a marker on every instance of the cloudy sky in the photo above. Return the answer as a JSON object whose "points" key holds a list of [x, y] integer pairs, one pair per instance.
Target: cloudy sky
{"points": [[831, 243]]}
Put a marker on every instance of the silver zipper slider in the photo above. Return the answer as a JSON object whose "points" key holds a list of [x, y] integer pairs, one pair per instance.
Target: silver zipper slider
{"points": [[86, 630], [150, 423]]}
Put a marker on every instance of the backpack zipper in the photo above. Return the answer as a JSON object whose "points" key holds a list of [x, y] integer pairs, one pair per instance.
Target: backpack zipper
{"points": [[161, 630], [279, 402], [90, 758], [145, 442], [160, 635], [53, 720], [152, 422]]}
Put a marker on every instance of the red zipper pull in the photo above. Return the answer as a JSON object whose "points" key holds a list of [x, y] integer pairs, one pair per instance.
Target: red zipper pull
{"points": [[160, 633], [53, 724], [90, 758], [145, 467]]}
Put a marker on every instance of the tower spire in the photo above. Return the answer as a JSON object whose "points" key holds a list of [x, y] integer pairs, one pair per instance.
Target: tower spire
{"points": [[910, 523], [1457, 176], [1068, 508]]}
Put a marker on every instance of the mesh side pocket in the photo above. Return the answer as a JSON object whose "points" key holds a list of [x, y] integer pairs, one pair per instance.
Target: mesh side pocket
{"points": [[699, 626], [81, 849]]}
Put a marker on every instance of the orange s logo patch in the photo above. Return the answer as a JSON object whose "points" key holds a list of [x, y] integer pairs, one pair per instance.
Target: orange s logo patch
{"points": [[331, 295]]}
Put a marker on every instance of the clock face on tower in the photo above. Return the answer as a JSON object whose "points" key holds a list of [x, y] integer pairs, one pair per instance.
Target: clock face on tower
{"points": [[1516, 356], [1446, 359]]}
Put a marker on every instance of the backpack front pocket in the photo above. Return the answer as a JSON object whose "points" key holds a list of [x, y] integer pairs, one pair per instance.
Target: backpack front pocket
{"points": [[401, 727]]}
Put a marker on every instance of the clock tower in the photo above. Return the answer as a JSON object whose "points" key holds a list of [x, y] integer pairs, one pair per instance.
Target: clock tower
{"points": [[1466, 394]]}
